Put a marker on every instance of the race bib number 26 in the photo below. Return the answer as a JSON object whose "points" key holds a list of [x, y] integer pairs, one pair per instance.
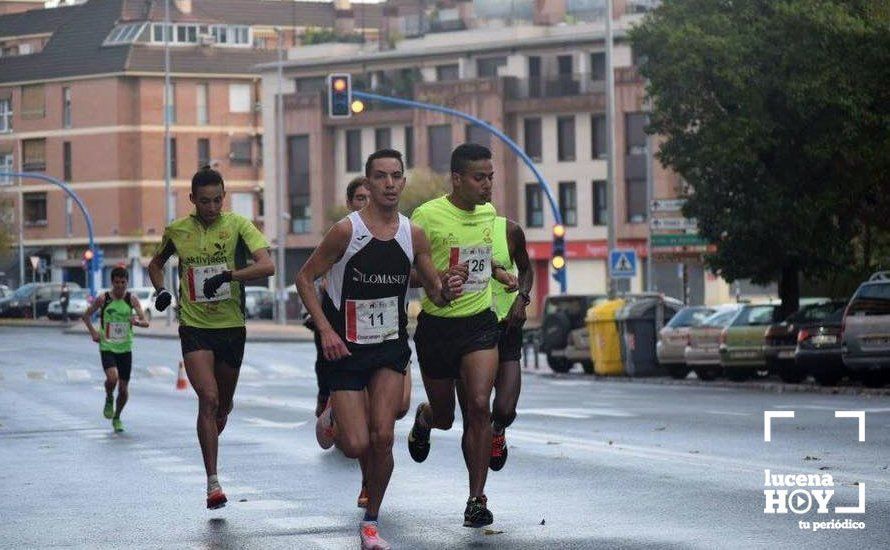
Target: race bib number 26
{"points": [[478, 260], [196, 277]]}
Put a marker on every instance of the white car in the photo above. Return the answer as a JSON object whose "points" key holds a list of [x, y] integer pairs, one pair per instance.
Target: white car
{"points": [[259, 302], [146, 296], [77, 305]]}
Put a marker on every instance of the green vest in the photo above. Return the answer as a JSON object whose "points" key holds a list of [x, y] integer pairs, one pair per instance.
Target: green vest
{"points": [[117, 332], [500, 253], [459, 236]]}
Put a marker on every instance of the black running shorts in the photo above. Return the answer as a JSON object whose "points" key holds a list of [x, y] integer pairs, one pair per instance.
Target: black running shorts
{"points": [[123, 362], [227, 344], [353, 373], [509, 343], [443, 341]]}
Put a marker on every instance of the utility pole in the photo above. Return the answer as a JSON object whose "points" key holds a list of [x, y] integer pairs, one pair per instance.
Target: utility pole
{"points": [[280, 272], [168, 210], [610, 145]]}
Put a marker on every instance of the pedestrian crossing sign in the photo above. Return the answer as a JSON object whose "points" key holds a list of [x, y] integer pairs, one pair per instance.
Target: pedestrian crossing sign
{"points": [[622, 264]]}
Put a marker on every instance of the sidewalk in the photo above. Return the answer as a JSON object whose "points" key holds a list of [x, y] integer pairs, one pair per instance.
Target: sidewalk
{"points": [[257, 331]]}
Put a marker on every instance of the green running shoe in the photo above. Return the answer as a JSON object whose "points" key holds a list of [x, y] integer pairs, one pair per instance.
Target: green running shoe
{"points": [[109, 407], [118, 425]]}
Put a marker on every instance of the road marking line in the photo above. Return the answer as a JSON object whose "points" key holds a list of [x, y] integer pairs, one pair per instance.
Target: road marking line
{"points": [[263, 423], [160, 372], [159, 460], [77, 375], [728, 413]]}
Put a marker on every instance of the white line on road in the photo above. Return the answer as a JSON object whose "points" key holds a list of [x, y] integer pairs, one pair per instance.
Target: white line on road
{"points": [[263, 423], [160, 372], [77, 375], [728, 413], [159, 460]]}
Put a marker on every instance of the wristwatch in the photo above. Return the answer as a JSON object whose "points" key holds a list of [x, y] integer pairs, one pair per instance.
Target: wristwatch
{"points": [[525, 297]]}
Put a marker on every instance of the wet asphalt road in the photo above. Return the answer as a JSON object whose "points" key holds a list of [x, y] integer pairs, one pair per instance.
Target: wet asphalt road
{"points": [[593, 464]]}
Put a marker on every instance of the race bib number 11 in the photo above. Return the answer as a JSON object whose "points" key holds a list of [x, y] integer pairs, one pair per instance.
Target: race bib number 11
{"points": [[478, 259], [196, 277], [372, 321]]}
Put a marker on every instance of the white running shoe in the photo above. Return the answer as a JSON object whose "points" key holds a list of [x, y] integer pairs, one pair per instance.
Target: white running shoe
{"points": [[324, 428], [371, 538]]}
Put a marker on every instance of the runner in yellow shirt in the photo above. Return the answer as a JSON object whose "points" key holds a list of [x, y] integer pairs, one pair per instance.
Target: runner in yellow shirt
{"points": [[213, 248]]}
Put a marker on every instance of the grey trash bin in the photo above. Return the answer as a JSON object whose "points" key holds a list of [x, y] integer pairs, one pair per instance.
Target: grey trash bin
{"points": [[638, 324]]}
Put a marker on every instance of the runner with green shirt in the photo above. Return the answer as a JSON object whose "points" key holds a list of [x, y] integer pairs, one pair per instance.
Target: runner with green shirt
{"points": [[213, 248], [458, 342], [115, 339]]}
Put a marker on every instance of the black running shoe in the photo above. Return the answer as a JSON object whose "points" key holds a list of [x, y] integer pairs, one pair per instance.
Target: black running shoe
{"points": [[419, 439], [477, 514]]}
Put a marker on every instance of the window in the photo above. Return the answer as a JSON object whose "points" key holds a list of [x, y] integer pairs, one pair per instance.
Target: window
{"points": [[487, 68], [171, 105], [33, 101], [203, 152], [409, 146], [298, 183], [231, 35], [66, 107], [202, 114], [440, 148], [534, 205], [598, 66], [174, 169], [598, 137], [353, 150], [564, 64], [382, 138], [5, 115], [187, 34], [34, 208], [66, 161], [310, 84], [599, 203], [478, 134], [242, 204], [34, 155], [239, 98], [6, 165], [126, 34], [635, 124], [568, 203], [157, 32], [636, 200], [446, 73], [532, 133], [241, 151], [176, 34], [565, 135]]}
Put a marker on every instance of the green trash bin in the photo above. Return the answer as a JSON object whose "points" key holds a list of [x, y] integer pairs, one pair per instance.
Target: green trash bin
{"points": [[639, 322]]}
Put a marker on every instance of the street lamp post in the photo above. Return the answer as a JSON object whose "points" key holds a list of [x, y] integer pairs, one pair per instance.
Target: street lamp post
{"points": [[610, 145], [280, 272], [168, 210]]}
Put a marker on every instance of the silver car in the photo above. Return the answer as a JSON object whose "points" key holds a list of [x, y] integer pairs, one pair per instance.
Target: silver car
{"points": [[702, 351], [865, 331], [78, 303], [672, 339]]}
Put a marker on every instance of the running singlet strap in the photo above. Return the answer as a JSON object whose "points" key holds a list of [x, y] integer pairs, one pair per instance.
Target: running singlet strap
{"points": [[459, 236], [203, 252]]}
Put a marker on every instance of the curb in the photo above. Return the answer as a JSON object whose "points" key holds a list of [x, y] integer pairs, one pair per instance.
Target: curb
{"points": [[767, 386]]}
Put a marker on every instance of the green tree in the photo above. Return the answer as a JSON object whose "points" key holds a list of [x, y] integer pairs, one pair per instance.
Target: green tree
{"points": [[777, 115]]}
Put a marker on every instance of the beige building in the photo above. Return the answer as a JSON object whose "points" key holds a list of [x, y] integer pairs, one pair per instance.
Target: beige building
{"points": [[81, 100], [542, 84]]}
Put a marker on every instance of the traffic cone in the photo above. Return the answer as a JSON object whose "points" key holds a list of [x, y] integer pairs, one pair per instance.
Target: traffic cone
{"points": [[181, 381]]}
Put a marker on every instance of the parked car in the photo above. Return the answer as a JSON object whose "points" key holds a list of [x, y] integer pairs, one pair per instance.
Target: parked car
{"points": [[672, 339], [30, 297], [259, 302], [564, 337], [5, 291], [818, 350], [865, 330], [780, 340], [702, 350], [741, 343], [78, 302]]}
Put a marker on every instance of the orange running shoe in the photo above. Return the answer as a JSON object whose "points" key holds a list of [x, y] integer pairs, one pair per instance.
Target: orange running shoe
{"points": [[371, 538], [216, 499]]}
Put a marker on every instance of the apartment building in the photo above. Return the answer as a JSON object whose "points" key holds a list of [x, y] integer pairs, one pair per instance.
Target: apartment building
{"points": [[81, 100], [542, 84]]}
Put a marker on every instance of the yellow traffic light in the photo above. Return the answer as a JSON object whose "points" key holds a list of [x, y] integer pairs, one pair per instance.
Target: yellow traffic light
{"points": [[558, 262], [559, 230], [339, 84], [357, 106], [88, 254]]}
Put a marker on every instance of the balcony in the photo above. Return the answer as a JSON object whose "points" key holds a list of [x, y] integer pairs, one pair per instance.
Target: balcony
{"points": [[558, 86]]}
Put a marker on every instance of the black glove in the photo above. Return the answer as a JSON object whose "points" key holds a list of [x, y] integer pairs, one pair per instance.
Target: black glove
{"points": [[212, 284], [163, 299]]}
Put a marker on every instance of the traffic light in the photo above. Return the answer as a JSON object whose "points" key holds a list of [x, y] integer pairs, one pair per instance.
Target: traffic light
{"points": [[340, 95], [558, 258], [88, 258]]}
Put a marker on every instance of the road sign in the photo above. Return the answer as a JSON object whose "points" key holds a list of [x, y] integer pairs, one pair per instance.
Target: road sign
{"points": [[622, 264], [659, 241], [35, 261], [666, 205], [673, 223]]}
